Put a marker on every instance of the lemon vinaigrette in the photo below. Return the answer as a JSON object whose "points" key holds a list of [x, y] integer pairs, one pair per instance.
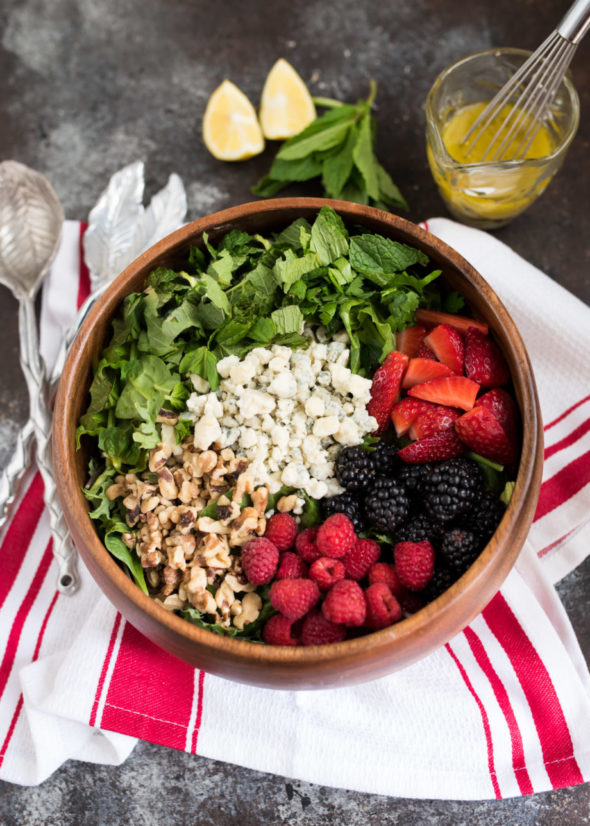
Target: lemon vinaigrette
{"points": [[478, 191]]}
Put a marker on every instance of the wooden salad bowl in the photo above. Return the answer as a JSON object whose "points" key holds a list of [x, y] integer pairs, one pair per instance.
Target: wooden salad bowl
{"points": [[356, 660]]}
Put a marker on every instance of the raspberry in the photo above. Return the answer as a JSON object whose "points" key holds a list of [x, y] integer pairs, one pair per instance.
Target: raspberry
{"points": [[414, 563], [278, 630], [336, 537], [326, 572], [306, 546], [260, 558], [345, 604], [385, 572], [281, 529], [364, 554], [291, 566], [383, 609], [317, 630], [294, 597]]}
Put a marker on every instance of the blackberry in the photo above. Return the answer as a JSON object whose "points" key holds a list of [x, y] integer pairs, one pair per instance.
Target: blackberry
{"points": [[354, 468], [418, 528], [451, 488], [387, 504], [459, 548], [385, 459], [413, 477], [348, 504], [484, 517], [442, 579]]}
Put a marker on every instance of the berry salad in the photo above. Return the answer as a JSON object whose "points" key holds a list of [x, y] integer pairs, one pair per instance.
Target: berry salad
{"points": [[298, 438]]}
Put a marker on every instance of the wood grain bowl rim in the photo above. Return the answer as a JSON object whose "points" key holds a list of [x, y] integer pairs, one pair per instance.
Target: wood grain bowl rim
{"points": [[416, 635]]}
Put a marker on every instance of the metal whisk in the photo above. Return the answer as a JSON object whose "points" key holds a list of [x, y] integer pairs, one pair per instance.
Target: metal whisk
{"points": [[531, 89]]}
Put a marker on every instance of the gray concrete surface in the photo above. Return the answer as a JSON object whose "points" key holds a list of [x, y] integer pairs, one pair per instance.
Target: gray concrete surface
{"points": [[87, 86]]}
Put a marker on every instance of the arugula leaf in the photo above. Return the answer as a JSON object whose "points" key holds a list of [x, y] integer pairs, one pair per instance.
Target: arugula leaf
{"points": [[115, 545], [147, 382]]}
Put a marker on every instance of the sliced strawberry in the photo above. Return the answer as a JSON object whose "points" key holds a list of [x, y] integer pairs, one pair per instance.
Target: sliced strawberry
{"points": [[405, 412], [424, 352], [434, 420], [447, 345], [410, 339], [484, 363], [452, 391], [386, 387], [435, 448], [504, 408], [480, 431], [460, 322], [421, 370]]}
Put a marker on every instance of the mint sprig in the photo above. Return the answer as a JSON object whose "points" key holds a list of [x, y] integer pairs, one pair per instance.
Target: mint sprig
{"points": [[337, 147]]}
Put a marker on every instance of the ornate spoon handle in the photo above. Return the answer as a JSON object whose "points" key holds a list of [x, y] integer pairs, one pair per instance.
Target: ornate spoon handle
{"points": [[13, 474], [63, 548]]}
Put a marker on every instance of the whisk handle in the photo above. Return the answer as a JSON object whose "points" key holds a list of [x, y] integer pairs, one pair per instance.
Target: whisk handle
{"points": [[576, 22]]}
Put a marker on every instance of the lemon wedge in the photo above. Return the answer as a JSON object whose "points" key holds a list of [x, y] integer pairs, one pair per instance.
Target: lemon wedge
{"points": [[286, 106], [230, 127]]}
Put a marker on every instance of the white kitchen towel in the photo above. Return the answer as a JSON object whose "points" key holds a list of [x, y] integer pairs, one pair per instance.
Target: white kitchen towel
{"points": [[502, 710]]}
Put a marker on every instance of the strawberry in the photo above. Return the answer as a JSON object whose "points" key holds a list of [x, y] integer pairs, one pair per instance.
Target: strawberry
{"points": [[447, 345], [424, 352], [452, 391], [410, 339], [503, 406], [405, 412], [460, 322], [386, 388], [435, 448], [433, 420], [484, 363], [423, 369], [481, 432]]}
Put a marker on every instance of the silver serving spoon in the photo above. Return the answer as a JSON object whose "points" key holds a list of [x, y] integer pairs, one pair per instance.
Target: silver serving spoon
{"points": [[31, 221]]}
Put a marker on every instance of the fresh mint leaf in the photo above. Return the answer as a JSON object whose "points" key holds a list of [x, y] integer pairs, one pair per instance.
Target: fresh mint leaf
{"points": [[329, 237], [364, 158], [388, 191], [291, 236], [290, 269], [338, 165], [301, 169], [202, 362], [263, 331], [287, 319], [215, 294], [376, 256]]}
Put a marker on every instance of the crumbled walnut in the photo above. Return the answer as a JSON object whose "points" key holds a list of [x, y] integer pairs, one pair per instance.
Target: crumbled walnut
{"points": [[287, 503], [251, 605], [260, 499]]}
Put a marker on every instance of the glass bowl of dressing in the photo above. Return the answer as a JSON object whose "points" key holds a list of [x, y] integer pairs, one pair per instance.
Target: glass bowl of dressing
{"points": [[488, 194]]}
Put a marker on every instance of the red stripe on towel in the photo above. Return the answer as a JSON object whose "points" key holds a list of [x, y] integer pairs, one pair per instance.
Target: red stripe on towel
{"points": [[19, 535], [83, 272], [501, 695], [548, 716], [484, 719], [150, 695], [19, 704], [563, 485], [105, 668], [566, 413], [199, 713], [21, 617], [568, 440]]}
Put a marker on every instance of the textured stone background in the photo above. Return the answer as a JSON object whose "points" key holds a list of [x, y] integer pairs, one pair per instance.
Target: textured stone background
{"points": [[89, 85]]}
